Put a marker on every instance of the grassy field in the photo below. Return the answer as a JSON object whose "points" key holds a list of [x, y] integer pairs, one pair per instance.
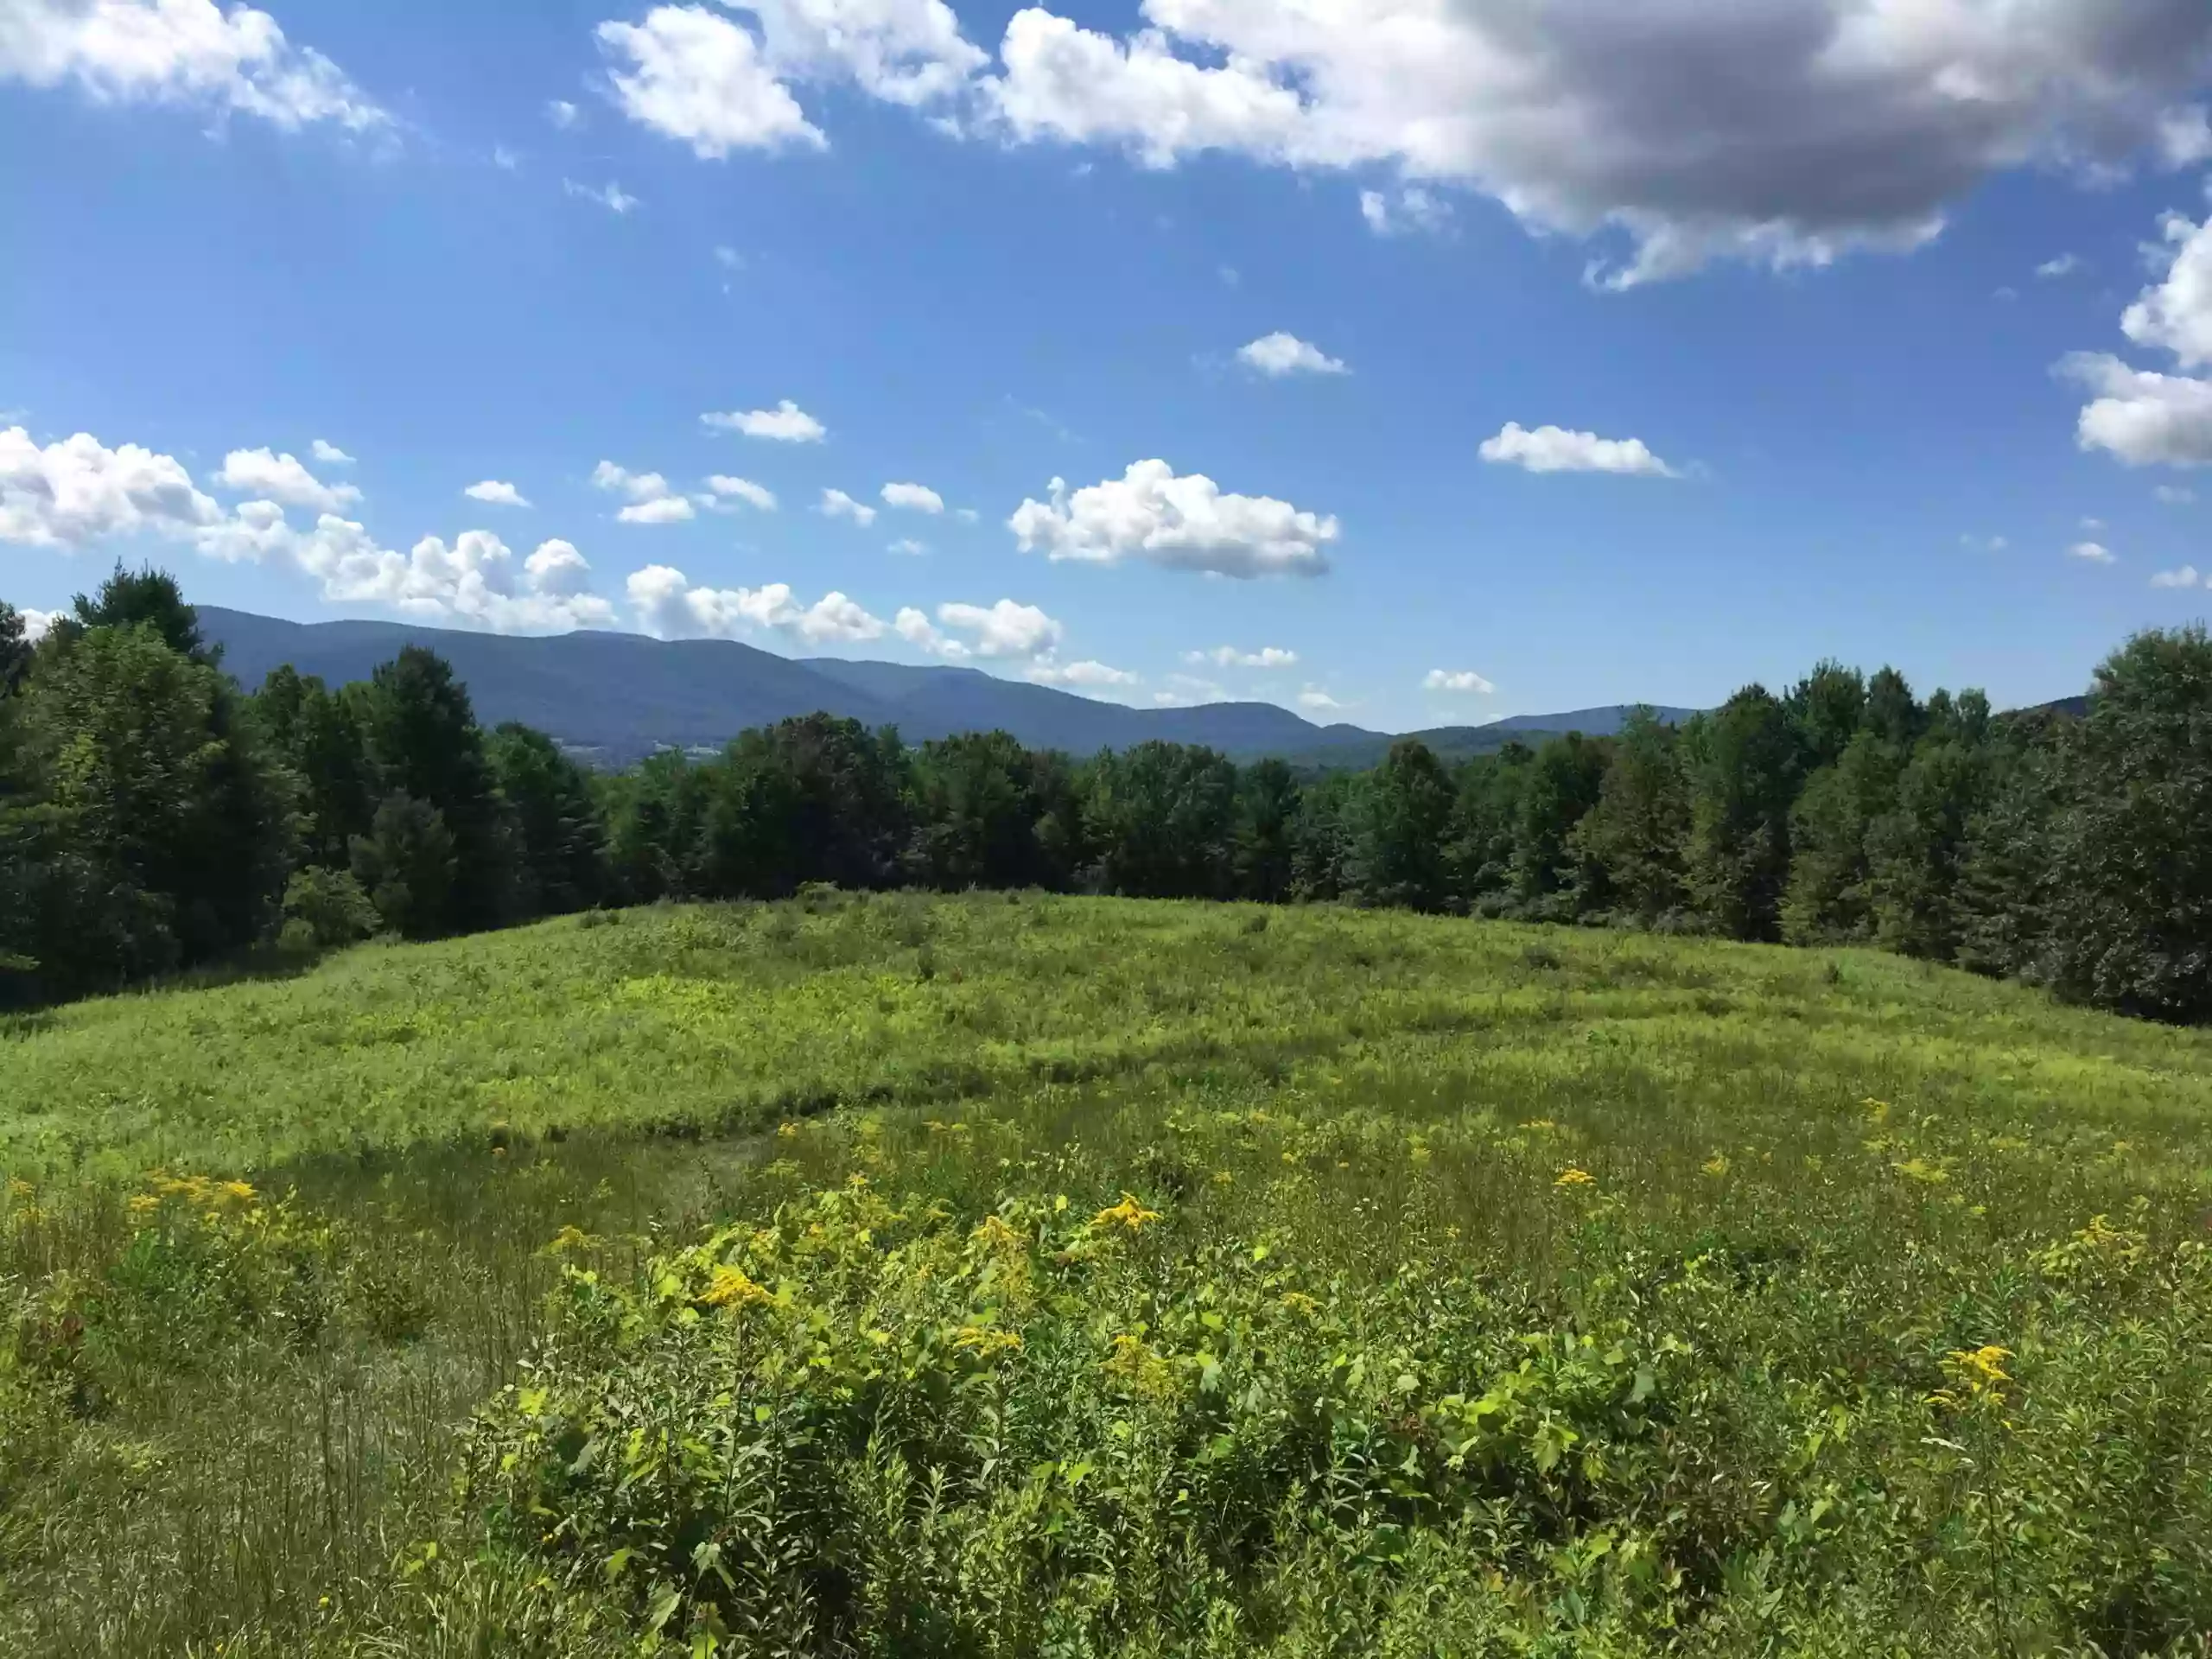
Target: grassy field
{"points": [[1026, 1275]]}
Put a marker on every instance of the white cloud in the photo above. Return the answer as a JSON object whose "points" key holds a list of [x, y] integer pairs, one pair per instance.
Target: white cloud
{"points": [[499, 494], [729, 259], [609, 195], [723, 486], [282, 478], [668, 607], [1784, 132], [35, 623], [1086, 673], [965, 515], [1230, 657], [909, 546], [2092, 524], [505, 159], [786, 423], [908, 52], [2174, 495], [835, 504], [2176, 316], [920, 498], [77, 490], [1278, 354], [701, 78], [2093, 552], [1005, 630], [1184, 523], [180, 51], [2144, 418], [1985, 543], [2185, 135], [2065, 265], [329, 454], [562, 113], [1461, 680], [1410, 211], [1314, 697], [651, 502], [1554, 449], [473, 581], [2184, 577]]}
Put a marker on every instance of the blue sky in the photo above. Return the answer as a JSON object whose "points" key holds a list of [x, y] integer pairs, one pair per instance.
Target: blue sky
{"points": [[1860, 336]]}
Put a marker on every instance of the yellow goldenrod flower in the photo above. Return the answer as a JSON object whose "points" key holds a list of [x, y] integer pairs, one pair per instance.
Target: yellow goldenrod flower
{"points": [[1128, 1213], [984, 1340], [1575, 1177], [730, 1287], [1716, 1165]]}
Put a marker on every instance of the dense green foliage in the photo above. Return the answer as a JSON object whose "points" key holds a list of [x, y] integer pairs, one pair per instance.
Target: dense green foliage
{"points": [[1078, 1276], [152, 817]]}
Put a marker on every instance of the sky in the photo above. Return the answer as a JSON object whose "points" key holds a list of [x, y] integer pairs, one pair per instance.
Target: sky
{"points": [[1404, 362]]}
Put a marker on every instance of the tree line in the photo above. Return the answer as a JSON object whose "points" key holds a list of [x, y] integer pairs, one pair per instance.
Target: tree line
{"points": [[154, 817]]}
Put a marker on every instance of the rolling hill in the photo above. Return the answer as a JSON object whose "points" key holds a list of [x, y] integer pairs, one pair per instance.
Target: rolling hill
{"points": [[618, 696]]}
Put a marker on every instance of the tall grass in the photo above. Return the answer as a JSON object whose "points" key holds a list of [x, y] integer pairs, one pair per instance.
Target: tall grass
{"points": [[1477, 1289]]}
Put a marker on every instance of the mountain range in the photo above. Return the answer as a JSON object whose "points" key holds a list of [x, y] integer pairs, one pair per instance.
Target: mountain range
{"points": [[615, 697]]}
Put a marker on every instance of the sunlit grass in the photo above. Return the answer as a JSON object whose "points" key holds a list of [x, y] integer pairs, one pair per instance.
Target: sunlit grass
{"points": [[240, 1420]]}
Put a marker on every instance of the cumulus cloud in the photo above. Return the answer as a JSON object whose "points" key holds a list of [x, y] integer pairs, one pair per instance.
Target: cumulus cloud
{"points": [[1278, 354], [562, 113], [609, 195], [1184, 523], [835, 504], [1315, 698], [474, 580], [908, 546], [1086, 673], [724, 488], [651, 502], [786, 423], [1005, 630], [2144, 418], [282, 478], [2184, 577], [1788, 131], [701, 78], [1554, 449], [2176, 316], [1983, 543], [77, 490], [2174, 495], [1230, 657], [180, 51], [35, 623], [2065, 265], [496, 492], [329, 454], [1460, 680], [669, 607], [2093, 553], [918, 498]]}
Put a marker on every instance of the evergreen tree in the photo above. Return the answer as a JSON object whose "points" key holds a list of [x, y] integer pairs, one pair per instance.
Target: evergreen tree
{"points": [[1266, 837], [407, 864], [1400, 820], [1828, 899], [558, 836], [15, 650], [128, 598], [2132, 911], [1485, 820], [1827, 708], [1742, 766], [1635, 833], [1554, 878], [424, 740]]}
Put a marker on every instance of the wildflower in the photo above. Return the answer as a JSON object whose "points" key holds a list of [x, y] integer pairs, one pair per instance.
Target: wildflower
{"points": [[1299, 1302], [1575, 1177], [570, 1237], [1128, 1213], [1878, 1110], [1716, 1165], [1979, 1373], [787, 1131], [143, 1204], [995, 1233], [1223, 1178], [1919, 1169], [19, 1188], [242, 1191], [731, 1286]]}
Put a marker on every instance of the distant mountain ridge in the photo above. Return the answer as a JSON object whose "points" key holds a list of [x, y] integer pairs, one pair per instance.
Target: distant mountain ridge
{"points": [[621, 696]]}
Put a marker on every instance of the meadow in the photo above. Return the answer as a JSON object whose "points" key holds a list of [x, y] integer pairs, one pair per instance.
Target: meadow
{"points": [[1031, 1275]]}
